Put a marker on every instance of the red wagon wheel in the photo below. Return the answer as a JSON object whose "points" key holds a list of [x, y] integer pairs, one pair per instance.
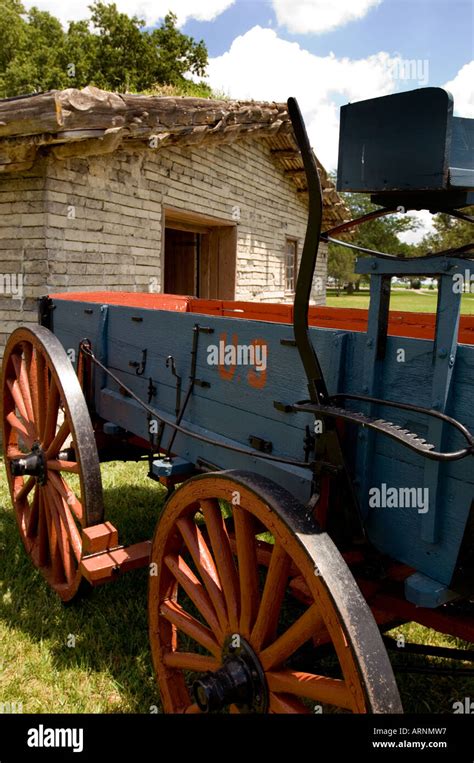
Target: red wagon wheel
{"points": [[219, 629], [50, 453]]}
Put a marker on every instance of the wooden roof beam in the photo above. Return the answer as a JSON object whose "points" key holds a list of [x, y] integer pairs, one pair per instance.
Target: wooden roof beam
{"points": [[286, 153]]}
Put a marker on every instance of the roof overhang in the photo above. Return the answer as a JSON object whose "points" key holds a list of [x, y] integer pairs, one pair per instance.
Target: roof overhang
{"points": [[90, 122]]}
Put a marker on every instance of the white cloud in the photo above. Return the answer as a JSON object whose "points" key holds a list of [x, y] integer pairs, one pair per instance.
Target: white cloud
{"points": [[190, 9], [260, 65], [316, 16], [462, 90], [425, 220], [150, 10]]}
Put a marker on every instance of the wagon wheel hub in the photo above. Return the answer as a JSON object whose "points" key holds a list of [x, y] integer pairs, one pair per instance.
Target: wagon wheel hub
{"points": [[31, 465], [239, 681]]}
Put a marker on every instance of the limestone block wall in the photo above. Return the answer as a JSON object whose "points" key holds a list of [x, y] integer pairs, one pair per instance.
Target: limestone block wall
{"points": [[97, 223], [23, 253]]}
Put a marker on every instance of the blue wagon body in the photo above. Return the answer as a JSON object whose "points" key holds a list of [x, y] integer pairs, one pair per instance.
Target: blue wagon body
{"points": [[239, 403]]}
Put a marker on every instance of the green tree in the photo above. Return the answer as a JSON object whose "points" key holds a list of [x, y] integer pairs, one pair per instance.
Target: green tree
{"points": [[31, 52], [79, 57], [122, 55], [13, 31], [341, 264], [110, 50], [380, 234], [178, 53], [449, 233]]}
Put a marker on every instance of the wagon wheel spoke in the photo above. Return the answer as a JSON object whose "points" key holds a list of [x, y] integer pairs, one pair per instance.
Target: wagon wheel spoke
{"points": [[195, 590], [54, 494], [332, 691], [67, 522], [246, 551], [42, 543], [33, 514], [52, 412], [223, 558], [41, 394], [15, 391], [292, 639], [58, 441], [17, 396], [199, 663], [206, 567], [272, 597], [69, 496], [23, 492], [31, 368], [56, 570], [64, 466], [61, 533], [20, 373], [288, 705], [22, 429], [178, 616]]}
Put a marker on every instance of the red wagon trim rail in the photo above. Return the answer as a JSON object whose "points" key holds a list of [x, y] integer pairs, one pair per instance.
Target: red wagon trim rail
{"points": [[414, 325]]}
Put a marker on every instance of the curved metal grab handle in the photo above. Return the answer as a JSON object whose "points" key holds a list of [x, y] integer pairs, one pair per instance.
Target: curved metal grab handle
{"points": [[316, 385]]}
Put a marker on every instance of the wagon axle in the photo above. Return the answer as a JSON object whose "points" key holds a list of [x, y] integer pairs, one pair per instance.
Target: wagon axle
{"points": [[239, 681], [31, 465]]}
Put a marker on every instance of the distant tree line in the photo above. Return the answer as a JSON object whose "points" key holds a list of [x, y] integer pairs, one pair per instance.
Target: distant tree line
{"points": [[381, 235]]}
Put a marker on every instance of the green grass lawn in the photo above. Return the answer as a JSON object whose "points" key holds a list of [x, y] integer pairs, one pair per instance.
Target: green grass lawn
{"points": [[109, 669], [410, 300]]}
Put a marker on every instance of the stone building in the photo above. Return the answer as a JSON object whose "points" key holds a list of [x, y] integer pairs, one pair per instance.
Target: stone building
{"points": [[147, 193]]}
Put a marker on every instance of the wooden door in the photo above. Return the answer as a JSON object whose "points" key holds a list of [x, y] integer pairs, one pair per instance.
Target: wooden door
{"points": [[218, 263], [181, 259]]}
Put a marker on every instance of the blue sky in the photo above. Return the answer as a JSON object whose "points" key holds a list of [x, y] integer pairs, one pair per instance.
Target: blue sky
{"points": [[439, 30]]}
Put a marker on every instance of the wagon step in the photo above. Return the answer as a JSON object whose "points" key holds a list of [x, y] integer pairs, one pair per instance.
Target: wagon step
{"points": [[394, 431], [411, 440]]}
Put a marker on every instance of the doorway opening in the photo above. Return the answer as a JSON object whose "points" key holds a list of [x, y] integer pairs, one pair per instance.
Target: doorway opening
{"points": [[200, 255]]}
